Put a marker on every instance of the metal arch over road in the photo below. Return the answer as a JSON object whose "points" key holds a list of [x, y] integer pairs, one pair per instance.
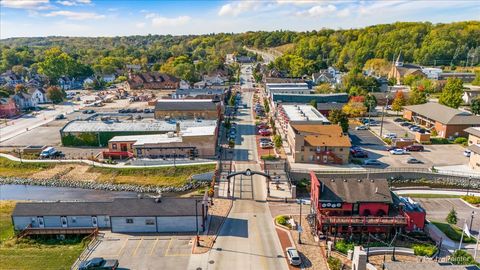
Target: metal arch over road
{"points": [[249, 172]]}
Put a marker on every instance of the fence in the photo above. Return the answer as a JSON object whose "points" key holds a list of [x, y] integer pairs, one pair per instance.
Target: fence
{"points": [[88, 250]]}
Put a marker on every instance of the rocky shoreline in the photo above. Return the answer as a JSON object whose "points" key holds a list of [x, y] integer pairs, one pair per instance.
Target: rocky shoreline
{"points": [[98, 186]]}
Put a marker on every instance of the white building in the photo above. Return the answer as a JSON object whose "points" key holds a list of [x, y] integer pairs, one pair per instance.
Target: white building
{"points": [[432, 73], [299, 114]]}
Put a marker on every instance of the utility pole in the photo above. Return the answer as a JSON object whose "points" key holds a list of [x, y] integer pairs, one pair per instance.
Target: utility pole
{"points": [[299, 229]]}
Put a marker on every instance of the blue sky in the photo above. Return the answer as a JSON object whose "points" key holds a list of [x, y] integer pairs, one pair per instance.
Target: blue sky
{"points": [[26, 18]]}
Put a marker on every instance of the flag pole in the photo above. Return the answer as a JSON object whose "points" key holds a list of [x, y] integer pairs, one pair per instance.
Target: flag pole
{"points": [[461, 238]]}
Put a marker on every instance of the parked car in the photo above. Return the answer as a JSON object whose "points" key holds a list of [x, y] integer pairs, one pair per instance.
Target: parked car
{"points": [[390, 148], [414, 128], [265, 145], [48, 152], [293, 256], [398, 120], [122, 111], [262, 126], [390, 136], [414, 147], [413, 161], [372, 162], [398, 151], [360, 154], [265, 140], [98, 264], [264, 132], [60, 117], [467, 153], [361, 128], [405, 124]]}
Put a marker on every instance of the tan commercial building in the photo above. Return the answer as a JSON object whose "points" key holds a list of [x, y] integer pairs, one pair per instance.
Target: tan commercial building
{"points": [[474, 147], [318, 144], [189, 143], [448, 122], [187, 109]]}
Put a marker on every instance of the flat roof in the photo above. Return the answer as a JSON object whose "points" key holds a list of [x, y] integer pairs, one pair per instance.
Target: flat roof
{"points": [[278, 85], [303, 112], [166, 138], [117, 207], [161, 126], [355, 190], [185, 105]]}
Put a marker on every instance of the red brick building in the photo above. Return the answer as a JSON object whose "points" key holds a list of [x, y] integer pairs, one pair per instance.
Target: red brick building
{"points": [[361, 206], [8, 108], [152, 80]]}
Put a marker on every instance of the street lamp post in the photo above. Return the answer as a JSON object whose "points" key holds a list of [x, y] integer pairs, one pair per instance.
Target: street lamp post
{"points": [[196, 221], [468, 187], [471, 220], [383, 115], [300, 224]]}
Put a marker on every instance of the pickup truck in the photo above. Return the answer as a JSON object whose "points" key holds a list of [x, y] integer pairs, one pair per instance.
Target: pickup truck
{"points": [[98, 264]]}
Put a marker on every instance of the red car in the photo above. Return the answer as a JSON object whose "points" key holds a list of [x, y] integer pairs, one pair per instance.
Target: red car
{"points": [[264, 132], [414, 147], [262, 126]]}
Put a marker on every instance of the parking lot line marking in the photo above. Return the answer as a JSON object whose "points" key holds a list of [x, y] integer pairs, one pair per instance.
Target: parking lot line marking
{"points": [[138, 245], [154, 246], [168, 247], [123, 247]]}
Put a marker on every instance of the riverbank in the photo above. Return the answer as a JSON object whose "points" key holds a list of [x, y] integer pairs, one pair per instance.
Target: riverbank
{"points": [[162, 179]]}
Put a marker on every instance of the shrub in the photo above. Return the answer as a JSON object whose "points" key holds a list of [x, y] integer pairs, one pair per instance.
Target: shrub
{"points": [[387, 140], [269, 157], [277, 139], [460, 140], [439, 141], [344, 246], [283, 220], [334, 263], [452, 217], [424, 250], [471, 199], [434, 133], [463, 258]]}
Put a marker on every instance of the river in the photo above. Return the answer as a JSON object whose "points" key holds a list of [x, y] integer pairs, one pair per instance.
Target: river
{"points": [[41, 193]]}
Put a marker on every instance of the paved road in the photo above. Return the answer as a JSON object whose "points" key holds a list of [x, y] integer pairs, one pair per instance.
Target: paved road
{"points": [[248, 239]]}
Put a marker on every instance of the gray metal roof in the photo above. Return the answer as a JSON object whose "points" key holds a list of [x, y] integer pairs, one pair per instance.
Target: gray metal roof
{"points": [[444, 114], [475, 131], [355, 190], [117, 207], [185, 105], [474, 148], [160, 126]]}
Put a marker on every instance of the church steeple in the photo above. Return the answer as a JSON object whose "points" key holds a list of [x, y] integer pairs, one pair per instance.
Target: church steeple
{"points": [[399, 61]]}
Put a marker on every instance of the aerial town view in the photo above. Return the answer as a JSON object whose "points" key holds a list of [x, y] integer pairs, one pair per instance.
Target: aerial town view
{"points": [[240, 134]]}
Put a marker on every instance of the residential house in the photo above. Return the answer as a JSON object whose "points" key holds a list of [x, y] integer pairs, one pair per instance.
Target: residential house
{"points": [[67, 83], [329, 75], [122, 215], [11, 78], [184, 85], [38, 95], [8, 108], [230, 58], [24, 100], [152, 80], [470, 92], [432, 73], [215, 79], [448, 122], [400, 69], [108, 78], [474, 147], [346, 206]]}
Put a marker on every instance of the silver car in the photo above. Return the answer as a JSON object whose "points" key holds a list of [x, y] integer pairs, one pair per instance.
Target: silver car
{"points": [[293, 256]]}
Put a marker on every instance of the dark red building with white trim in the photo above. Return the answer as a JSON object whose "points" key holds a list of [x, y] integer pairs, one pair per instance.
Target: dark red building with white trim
{"points": [[350, 206]]}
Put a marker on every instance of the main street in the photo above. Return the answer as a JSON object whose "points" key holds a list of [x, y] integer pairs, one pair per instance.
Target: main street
{"points": [[248, 239]]}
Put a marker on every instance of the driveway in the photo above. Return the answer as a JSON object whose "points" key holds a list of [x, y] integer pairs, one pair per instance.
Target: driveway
{"points": [[145, 252]]}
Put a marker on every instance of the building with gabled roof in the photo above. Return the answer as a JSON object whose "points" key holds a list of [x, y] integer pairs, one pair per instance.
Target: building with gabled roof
{"points": [[400, 69], [152, 80]]}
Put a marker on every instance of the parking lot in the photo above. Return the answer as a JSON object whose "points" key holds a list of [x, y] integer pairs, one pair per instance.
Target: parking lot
{"points": [[433, 155], [145, 252]]}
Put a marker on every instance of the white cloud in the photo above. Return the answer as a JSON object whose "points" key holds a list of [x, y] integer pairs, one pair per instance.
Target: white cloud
{"points": [[235, 9], [71, 15], [25, 4], [165, 21], [318, 10], [67, 3], [344, 13], [140, 25], [150, 15]]}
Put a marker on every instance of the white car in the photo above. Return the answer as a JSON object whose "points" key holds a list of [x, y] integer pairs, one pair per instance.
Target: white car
{"points": [[361, 128], [390, 136], [293, 256], [467, 153], [398, 151]]}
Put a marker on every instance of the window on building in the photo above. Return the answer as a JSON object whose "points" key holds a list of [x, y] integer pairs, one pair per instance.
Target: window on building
{"points": [[302, 148], [149, 222], [340, 149], [129, 220], [74, 220], [114, 146]]}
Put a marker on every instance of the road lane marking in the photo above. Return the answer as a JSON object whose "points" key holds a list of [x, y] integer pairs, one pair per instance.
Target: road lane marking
{"points": [[168, 247], [123, 247]]}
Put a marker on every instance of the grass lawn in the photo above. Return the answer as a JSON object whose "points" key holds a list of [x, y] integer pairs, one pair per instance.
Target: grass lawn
{"points": [[164, 176], [33, 254], [453, 232], [10, 168], [430, 196]]}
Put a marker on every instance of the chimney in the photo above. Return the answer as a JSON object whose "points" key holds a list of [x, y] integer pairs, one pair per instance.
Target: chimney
{"points": [[376, 190], [177, 129]]}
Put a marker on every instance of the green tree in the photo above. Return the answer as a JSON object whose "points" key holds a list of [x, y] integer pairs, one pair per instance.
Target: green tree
{"points": [[55, 94], [337, 116], [398, 102], [324, 88], [277, 140], [452, 217], [451, 95], [313, 103], [370, 102], [475, 106], [378, 66], [56, 64], [417, 96]]}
